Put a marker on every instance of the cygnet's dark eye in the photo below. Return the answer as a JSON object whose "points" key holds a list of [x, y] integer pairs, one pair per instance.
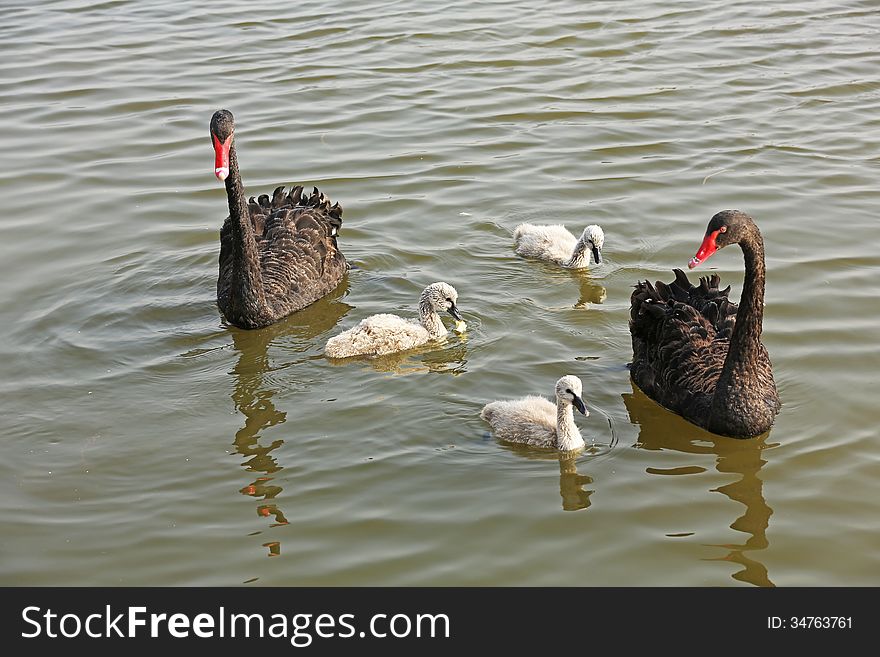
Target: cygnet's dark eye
{"points": [[568, 390], [449, 300]]}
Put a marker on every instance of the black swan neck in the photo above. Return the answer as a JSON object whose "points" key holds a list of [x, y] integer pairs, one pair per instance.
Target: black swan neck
{"points": [[746, 336], [235, 192], [247, 281], [741, 364]]}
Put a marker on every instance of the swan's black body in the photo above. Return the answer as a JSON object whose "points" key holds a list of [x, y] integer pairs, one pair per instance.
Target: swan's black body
{"points": [[700, 355], [277, 255]]}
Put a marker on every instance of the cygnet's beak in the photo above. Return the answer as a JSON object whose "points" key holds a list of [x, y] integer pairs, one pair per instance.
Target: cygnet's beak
{"points": [[580, 405], [454, 312], [597, 254]]}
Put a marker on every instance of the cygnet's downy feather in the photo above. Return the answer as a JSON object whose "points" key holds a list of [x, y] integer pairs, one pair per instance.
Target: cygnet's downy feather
{"points": [[556, 244], [536, 421], [385, 334]]}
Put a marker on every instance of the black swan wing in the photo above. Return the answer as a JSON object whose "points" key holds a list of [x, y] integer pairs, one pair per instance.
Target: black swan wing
{"points": [[680, 336], [299, 255]]}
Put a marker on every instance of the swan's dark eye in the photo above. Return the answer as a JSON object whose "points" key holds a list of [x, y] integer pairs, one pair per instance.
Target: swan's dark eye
{"points": [[568, 390], [723, 229], [449, 300]]}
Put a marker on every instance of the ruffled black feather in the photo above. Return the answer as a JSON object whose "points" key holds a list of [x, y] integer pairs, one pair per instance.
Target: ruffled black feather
{"points": [[299, 257], [680, 336]]}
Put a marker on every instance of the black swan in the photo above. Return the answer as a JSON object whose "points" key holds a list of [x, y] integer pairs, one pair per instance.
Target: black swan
{"points": [[277, 255], [698, 355]]}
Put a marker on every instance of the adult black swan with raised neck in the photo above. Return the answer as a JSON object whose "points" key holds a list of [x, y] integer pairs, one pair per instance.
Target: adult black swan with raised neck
{"points": [[700, 355], [277, 255]]}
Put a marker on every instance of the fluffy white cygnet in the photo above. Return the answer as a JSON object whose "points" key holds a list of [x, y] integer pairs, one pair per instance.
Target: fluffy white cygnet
{"points": [[386, 334], [556, 243], [538, 422]]}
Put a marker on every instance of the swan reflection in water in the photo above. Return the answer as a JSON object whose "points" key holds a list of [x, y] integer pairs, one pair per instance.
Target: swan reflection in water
{"points": [[591, 293], [661, 429], [254, 391], [571, 486], [571, 482]]}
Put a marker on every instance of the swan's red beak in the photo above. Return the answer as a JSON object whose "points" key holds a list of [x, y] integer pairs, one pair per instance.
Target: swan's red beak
{"points": [[221, 156], [707, 248]]}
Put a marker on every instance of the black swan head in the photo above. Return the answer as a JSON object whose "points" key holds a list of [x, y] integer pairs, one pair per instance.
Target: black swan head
{"points": [[222, 128], [725, 228]]}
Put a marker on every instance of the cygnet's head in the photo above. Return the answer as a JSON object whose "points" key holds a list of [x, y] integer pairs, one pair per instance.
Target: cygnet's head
{"points": [[594, 238], [440, 297], [569, 389]]}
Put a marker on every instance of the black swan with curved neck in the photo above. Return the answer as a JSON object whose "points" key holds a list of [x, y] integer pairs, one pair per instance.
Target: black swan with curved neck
{"points": [[695, 352], [277, 255]]}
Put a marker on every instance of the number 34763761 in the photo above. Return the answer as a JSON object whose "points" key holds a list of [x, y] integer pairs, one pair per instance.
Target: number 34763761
{"points": [[810, 622]]}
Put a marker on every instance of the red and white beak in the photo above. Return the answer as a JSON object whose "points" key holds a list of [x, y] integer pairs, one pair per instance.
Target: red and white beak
{"points": [[707, 248], [221, 157]]}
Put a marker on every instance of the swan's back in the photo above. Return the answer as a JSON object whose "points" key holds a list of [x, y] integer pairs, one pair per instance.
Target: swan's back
{"points": [[681, 336], [300, 261], [377, 335], [530, 420], [554, 242]]}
